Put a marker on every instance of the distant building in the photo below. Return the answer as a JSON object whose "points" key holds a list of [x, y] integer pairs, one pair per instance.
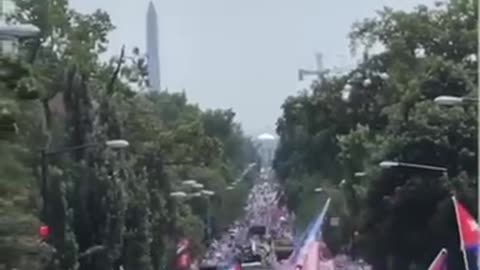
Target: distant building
{"points": [[152, 49], [266, 145], [8, 46], [7, 7]]}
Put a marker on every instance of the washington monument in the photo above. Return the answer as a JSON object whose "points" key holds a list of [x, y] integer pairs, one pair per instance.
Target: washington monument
{"points": [[152, 48]]}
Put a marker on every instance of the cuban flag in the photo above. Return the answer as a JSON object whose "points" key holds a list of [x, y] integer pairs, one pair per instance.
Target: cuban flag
{"points": [[469, 233], [440, 262]]}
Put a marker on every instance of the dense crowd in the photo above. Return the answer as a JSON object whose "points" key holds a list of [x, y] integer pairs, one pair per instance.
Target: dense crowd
{"points": [[261, 210]]}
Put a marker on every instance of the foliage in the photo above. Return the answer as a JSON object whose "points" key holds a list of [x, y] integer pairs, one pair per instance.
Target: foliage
{"points": [[107, 207], [404, 216]]}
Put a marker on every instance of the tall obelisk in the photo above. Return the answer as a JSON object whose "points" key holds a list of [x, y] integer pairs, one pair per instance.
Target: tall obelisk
{"points": [[152, 48]]}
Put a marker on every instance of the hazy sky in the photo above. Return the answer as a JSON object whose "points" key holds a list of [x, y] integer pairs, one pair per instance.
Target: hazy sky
{"points": [[241, 54]]}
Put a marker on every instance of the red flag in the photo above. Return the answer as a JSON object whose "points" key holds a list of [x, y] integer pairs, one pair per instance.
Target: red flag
{"points": [[469, 233], [440, 262], [184, 261], [467, 226]]}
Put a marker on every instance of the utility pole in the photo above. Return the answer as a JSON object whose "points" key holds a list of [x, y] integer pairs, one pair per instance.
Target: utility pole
{"points": [[318, 72]]}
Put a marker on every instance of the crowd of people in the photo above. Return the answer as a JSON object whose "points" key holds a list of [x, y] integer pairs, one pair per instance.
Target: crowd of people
{"points": [[264, 212], [261, 211]]}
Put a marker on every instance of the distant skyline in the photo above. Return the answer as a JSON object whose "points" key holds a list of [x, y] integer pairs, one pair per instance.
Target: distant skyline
{"points": [[152, 49], [242, 54]]}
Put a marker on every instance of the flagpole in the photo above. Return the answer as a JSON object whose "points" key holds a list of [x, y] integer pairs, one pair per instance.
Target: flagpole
{"points": [[435, 261], [318, 234], [312, 235], [462, 244]]}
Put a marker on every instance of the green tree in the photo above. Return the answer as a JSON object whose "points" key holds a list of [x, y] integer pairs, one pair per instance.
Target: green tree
{"points": [[390, 115], [106, 207]]}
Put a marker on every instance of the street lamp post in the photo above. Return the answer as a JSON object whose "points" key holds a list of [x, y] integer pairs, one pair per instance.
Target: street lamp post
{"points": [[18, 30], [175, 195], [202, 193], [15, 32], [390, 164], [12, 33], [452, 100], [321, 192], [207, 194], [189, 183], [193, 184], [45, 154], [360, 174], [198, 186], [181, 195], [348, 185], [178, 194]]}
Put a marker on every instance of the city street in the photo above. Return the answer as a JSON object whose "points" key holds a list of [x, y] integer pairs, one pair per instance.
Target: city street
{"points": [[262, 209], [239, 135]]}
